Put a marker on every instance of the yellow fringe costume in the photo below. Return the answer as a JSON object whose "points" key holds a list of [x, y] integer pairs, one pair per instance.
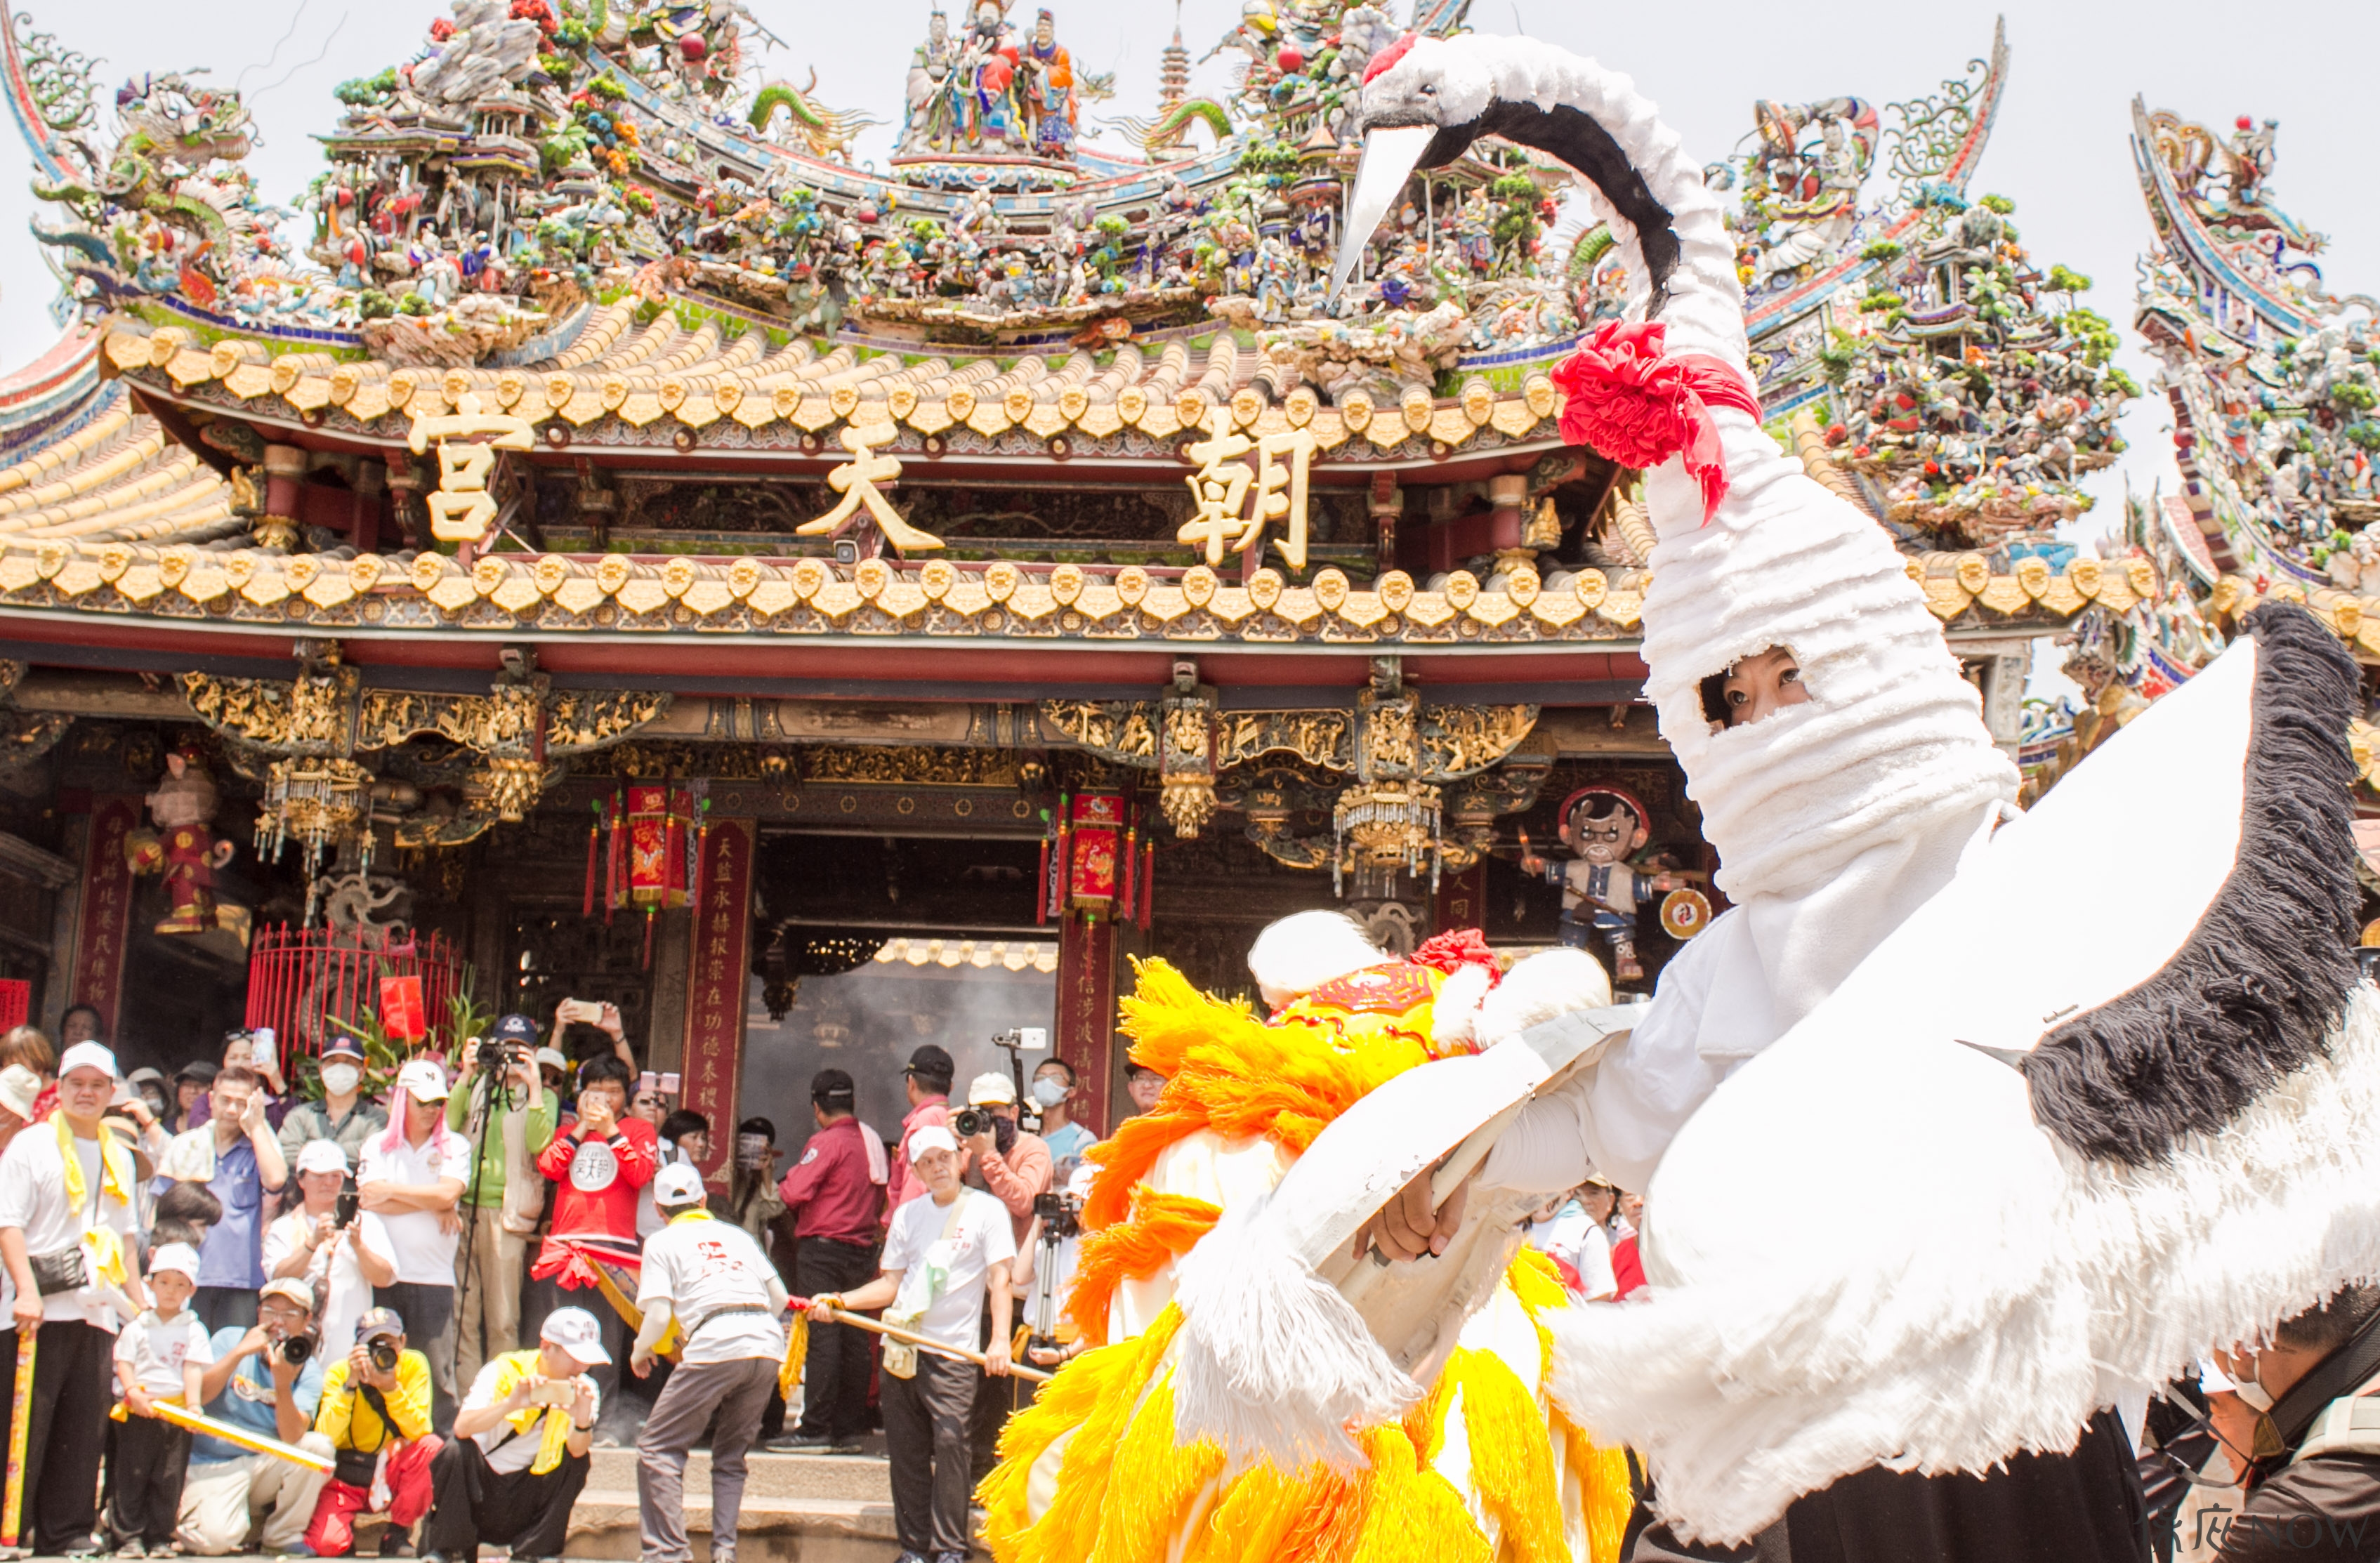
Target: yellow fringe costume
{"points": [[1484, 1469]]}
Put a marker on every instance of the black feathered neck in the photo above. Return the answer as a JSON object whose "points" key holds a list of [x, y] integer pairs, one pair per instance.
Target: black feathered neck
{"points": [[2258, 988], [1580, 141]]}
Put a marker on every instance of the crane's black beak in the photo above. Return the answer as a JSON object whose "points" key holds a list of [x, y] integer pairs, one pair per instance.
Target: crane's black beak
{"points": [[1390, 154]]}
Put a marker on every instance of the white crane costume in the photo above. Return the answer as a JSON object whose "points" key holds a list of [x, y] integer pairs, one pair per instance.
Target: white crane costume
{"points": [[2066, 1149]]}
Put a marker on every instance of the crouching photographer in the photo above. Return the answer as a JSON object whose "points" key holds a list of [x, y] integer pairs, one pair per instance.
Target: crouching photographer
{"points": [[519, 1455], [268, 1381]]}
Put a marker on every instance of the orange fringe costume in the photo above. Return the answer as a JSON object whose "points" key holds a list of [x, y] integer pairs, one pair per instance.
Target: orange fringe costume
{"points": [[1484, 1469]]}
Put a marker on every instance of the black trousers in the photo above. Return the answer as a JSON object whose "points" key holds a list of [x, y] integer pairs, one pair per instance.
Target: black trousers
{"points": [[73, 1365], [2081, 1506], [996, 1400], [220, 1307], [151, 1458], [428, 1311], [834, 1375], [926, 1437], [471, 1504]]}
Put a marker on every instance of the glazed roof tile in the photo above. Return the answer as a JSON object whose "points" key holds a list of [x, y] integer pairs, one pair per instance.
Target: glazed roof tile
{"points": [[661, 378]]}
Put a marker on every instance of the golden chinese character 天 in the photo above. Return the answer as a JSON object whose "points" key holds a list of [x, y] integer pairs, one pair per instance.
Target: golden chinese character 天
{"points": [[855, 481]]}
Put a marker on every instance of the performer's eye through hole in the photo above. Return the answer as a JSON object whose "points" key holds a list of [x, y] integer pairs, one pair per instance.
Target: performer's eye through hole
{"points": [[1758, 685]]}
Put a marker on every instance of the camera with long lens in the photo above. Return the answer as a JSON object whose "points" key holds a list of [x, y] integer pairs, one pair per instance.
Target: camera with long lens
{"points": [[298, 1349], [967, 1122], [384, 1356], [1061, 1213]]}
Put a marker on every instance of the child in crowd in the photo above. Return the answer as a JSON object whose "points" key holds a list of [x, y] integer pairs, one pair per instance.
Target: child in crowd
{"points": [[159, 1356]]}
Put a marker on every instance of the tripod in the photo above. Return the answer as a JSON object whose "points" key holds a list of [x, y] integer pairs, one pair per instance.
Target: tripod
{"points": [[491, 1096]]}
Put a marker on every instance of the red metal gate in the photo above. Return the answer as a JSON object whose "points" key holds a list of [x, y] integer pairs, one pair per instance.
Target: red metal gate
{"points": [[304, 982]]}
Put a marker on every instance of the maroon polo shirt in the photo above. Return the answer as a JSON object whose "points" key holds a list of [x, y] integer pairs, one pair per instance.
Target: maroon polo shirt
{"points": [[829, 1191]]}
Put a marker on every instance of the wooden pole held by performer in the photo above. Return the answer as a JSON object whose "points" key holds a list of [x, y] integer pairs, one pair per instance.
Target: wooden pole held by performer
{"points": [[820, 1314], [12, 1510]]}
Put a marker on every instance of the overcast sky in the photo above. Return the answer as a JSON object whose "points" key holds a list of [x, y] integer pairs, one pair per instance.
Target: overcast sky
{"points": [[2059, 150]]}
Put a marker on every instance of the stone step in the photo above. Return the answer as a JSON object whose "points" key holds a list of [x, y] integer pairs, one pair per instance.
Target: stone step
{"points": [[862, 1478], [770, 1530]]}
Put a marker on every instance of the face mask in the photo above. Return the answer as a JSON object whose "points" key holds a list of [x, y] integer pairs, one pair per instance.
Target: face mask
{"points": [[1049, 1093], [338, 1079], [2248, 1389]]}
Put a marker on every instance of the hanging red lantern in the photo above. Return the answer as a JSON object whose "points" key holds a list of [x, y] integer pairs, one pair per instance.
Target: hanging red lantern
{"points": [[1094, 874]]}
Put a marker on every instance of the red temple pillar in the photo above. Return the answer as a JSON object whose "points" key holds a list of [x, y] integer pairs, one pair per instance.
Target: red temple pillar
{"points": [[106, 920], [1087, 1010], [717, 984]]}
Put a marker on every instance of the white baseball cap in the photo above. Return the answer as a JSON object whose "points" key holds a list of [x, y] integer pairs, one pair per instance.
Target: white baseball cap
{"points": [[575, 1331], [423, 1081], [677, 1184], [292, 1286], [993, 1089], [932, 1137], [551, 1058], [176, 1257], [323, 1156], [88, 1055]]}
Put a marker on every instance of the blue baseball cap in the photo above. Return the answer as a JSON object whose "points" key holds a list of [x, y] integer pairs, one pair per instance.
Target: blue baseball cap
{"points": [[517, 1028], [341, 1046], [379, 1323]]}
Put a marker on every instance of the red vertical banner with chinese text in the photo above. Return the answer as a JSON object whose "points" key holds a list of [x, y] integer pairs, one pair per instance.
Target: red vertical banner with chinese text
{"points": [[1086, 1009], [717, 985], [106, 910], [1462, 900]]}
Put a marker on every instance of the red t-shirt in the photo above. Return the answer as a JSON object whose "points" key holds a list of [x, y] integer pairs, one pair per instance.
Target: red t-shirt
{"points": [[932, 1113], [598, 1179], [1627, 1268], [829, 1190]]}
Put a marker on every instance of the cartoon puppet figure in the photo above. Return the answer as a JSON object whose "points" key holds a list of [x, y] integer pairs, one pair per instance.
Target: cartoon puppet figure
{"points": [[1601, 892]]}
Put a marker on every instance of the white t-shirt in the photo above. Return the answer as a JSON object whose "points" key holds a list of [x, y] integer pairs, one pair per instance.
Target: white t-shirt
{"points": [[33, 1199], [1574, 1237], [945, 1275], [696, 1267], [158, 1349], [424, 1249], [340, 1291], [508, 1450]]}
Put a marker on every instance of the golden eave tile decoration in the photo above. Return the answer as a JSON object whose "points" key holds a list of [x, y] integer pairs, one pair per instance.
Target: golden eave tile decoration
{"points": [[797, 394], [943, 599]]}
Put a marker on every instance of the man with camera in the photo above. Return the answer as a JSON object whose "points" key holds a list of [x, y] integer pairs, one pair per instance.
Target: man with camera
{"points": [[506, 1195], [376, 1414], [340, 1251], [1012, 1166], [269, 1381], [519, 1455]]}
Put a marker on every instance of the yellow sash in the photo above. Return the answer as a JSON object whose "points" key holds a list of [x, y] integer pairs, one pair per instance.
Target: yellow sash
{"points": [[104, 1249]]}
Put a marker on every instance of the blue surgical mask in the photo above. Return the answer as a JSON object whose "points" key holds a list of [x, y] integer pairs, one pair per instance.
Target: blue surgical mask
{"points": [[1049, 1093]]}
